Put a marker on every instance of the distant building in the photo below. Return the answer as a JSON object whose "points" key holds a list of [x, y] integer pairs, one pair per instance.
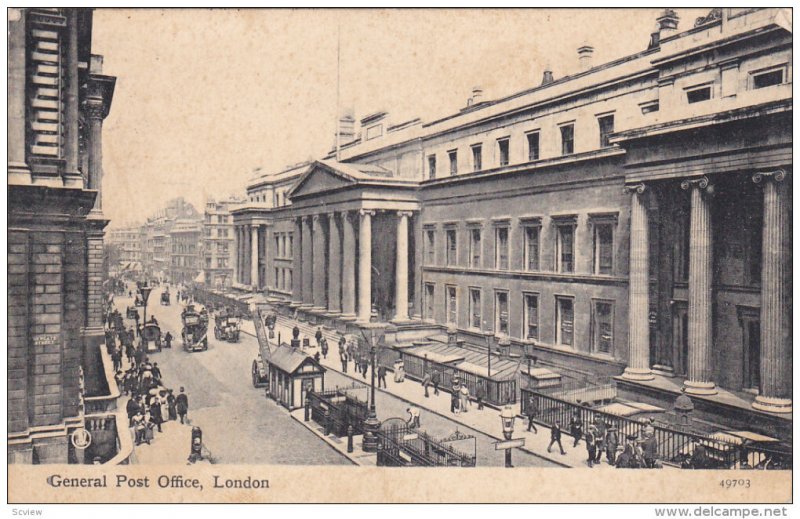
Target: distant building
{"points": [[157, 248], [185, 238], [628, 220], [128, 243], [217, 243], [57, 100]]}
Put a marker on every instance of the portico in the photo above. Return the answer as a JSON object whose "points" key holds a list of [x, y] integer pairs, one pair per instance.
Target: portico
{"points": [[251, 245], [353, 253]]}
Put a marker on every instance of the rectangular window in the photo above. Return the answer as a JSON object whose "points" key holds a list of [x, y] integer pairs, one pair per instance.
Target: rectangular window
{"points": [[453, 156], [452, 305], [565, 316], [532, 234], [649, 107], [277, 278], [501, 248], [767, 78], [291, 245], [603, 327], [531, 317], [533, 146], [431, 166], [501, 313], [430, 246], [565, 248], [429, 294], [288, 279], [475, 248], [502, 151], [452, 247], [567, 139], [278, 247], [475, 316], [606, 125], [698, 94], [603, 248], [477, 157]]}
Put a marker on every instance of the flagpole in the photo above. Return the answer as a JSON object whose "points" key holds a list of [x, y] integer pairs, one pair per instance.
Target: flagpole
{"points": [[336, 115]]}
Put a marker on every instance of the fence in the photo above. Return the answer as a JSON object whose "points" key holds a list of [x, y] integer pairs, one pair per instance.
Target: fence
{"points": [[337, 410], [400, 446], [216, 300], [496, 392], [673, 446]]}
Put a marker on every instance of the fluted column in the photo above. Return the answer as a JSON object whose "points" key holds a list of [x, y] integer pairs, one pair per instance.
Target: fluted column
{"points": [[71, 174], [236, 252], [700, 278], [254, 281], [308, 255], [334, 265], [401, 269], [365, 266], [297, 262], [775, 393], [638, 290], [319, 262], [95, 114], [348, 265]]}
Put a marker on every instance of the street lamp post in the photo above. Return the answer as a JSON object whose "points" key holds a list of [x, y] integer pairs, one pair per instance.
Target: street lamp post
{"points": [[145, 290], [507, 418], [371, 424]]}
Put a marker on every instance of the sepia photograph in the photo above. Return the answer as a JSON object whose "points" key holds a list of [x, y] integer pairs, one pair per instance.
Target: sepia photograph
{"points": [[248, 248]]}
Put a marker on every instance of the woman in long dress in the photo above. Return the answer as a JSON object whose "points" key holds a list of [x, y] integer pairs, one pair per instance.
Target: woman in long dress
{"points": [[464, 397]]}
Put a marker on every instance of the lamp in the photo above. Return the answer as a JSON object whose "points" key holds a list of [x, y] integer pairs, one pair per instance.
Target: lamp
{"points": [[507, 417], [145, 291], [369, 442]]}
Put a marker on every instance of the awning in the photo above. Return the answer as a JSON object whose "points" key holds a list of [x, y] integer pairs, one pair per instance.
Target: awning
{"points": [[201, 277]]}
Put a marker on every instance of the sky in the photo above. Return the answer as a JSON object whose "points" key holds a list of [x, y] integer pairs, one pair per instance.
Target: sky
{"points": [[203, 97]]}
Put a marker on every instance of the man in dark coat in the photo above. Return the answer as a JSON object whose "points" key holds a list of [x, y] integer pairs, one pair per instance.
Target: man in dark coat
{"points": [[612, 441], [591, 446], [318, 336], [533, 412], [650, 450], [182, 405], [132, 408], [343, 357], [480, 394], [436, 378], [576, 427], [382, 376], [295, 332], [555, 437], [426, 382], [155, 413]]}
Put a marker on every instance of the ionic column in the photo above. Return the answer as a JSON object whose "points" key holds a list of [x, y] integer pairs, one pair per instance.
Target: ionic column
{"points": [[308, 255], [254, 257], [700, 277], [297, 262], [775, 394], [638, 290], [236, 254], [365, 266], [95, 113], [348, 265], [71, 173], [401, 269], [334, 265], [319, 262]]}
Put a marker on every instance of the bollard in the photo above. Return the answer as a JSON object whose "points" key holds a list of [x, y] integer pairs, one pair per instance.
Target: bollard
{"points": [[349, 438], [308, 410], [379, 454], [328, 421]]}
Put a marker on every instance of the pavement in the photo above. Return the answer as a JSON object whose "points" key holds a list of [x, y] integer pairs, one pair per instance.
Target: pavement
{"points": [[486, 421]]}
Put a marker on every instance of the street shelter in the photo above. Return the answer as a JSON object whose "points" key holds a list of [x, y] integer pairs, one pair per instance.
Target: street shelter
{"points": [[292, 374]]}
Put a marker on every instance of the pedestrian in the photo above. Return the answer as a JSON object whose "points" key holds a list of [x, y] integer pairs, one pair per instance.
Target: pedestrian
{"points": [[156, 372], [600, 438], [382, 376], [132, 407], [413, 421], [480, 394], [612, 441], [139, 428], [343, 357], [555, 437], [649, 428], [182, 405], [454, 402], [650, 450], [318, 336], [316, 356], [435, 379], [155, 413], [116, 359], [576, 427], [591, 446], [464, 395], [171, 406], [533, 413], [364, 367], [324, 347], [426, 382], [342, 344], [168, 340]]}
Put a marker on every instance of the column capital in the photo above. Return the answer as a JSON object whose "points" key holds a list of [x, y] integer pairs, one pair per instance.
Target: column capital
{"points": [[407, 214], [630, 189], [778, 175], [366, 212], [315, 218], [95, 109], [698, 182]]}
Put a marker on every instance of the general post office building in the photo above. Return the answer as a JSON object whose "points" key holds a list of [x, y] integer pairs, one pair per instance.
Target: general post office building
{"points": [[630, 220]]}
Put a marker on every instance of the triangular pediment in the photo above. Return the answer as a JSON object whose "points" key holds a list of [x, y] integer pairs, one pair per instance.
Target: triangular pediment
{"points": [[319, 179]]}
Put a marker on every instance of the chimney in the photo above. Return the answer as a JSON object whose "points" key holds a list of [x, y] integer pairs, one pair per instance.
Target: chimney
{"points": [[667, 24], [96, 64], [477, 95], [585, 53], [547, 77], [347, 127]]}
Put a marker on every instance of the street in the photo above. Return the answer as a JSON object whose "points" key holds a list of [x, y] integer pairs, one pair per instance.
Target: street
{"points": [[240, 425]]}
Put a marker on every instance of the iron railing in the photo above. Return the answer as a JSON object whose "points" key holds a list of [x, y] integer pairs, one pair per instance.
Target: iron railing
{"points": [[401, 446], [336, 410], [673, 446]]}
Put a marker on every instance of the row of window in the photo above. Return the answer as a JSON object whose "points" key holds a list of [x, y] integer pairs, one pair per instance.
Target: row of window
{"points": [[602, 316], [221, 263], [283, 279], [221, 218], [758, 79], [284, 244], [503, 147], [530, 245]]}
